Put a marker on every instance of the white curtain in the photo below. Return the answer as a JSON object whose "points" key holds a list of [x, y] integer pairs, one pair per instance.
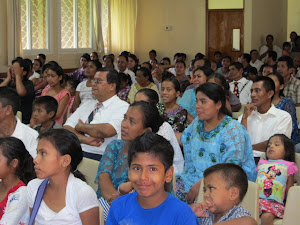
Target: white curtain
{"points": [[98, 37], [14, 41]]}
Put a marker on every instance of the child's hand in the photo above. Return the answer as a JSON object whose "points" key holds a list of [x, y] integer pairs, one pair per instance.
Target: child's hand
{"points": [[125, 188], [200, 208]]}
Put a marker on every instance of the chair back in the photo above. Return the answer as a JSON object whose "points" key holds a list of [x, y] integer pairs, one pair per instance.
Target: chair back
{"points": [[88, 167], [291, 211]]}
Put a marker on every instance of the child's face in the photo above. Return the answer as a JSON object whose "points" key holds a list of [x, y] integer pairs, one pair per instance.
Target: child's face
{"points": [[275, 148], [168, 93], [48, 161], [179, 68], [40, 115], [218, 57], [287, 48], [147, 175], [216, 192], [53, 79]]}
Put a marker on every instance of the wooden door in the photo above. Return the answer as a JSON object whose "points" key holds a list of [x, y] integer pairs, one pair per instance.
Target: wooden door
{"points": [[220, 27]]}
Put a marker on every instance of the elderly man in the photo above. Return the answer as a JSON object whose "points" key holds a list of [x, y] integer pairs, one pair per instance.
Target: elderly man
{"points": [[98, 122], [261, 118], [10, 125]]}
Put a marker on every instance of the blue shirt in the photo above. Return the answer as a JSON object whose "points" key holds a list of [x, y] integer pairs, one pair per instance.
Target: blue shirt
{"points": [[229, 142], [126, 210], [236, 212], [188, 101]]}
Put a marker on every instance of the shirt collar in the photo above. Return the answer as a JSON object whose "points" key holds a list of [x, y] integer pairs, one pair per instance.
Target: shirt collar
{"points": [[107, 102], [272, 111]]}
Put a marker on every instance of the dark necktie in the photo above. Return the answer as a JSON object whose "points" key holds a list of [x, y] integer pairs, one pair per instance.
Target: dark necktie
{"points": [[91, 116]]}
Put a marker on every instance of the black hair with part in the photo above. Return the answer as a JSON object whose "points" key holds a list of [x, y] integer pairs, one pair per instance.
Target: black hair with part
{"points": [[150, 94], [153, 144]]}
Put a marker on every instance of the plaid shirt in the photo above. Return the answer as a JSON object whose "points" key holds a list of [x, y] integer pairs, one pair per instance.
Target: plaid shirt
{"points": [[236, 212], [123, 93], [292, 90]]}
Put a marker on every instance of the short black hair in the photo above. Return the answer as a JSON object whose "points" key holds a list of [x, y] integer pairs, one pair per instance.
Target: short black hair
{"points": [[153, 51], [180, 61], [253, 50], [237, 65], [217, 53], [270, 35], [167, 59], [233, 175], [42, 56], [199, 55], [272, 54], [9, 96], [247, 57], [286, 44], [151, 94], [153, 144], [268, 83], [111, 76], [86, 56], [289, 61], [48, 103], [24, 64]]}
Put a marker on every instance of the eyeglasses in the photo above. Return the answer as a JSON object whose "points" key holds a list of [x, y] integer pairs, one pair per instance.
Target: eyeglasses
{"points": [[98, 81]]}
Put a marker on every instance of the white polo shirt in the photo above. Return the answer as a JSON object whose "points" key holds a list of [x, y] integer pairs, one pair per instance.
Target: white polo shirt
{"points": [[262, 126], [112, 112], [27, 135]]}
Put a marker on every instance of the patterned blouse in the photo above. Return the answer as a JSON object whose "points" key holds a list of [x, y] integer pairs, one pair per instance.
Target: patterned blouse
{"points": [[78, 74], [113, 162], [229, 142], [123, 93], [289, 106], [177, 118]]}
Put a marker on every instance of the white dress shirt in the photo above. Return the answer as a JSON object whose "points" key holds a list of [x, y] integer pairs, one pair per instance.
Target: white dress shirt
{"points": [[257, 64], [112, 112], [244, 90], [27, 135], [276, 49], [262, 126]]}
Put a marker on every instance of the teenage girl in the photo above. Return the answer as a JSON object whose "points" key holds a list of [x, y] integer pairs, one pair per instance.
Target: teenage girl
{"points": [[175, 115], [60, 195], [275, 177], [55, 80], [16, 171]]}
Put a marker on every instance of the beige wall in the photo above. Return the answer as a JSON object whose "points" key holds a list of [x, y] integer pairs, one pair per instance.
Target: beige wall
{"points": [[187, 19], [293, 20], [3, 37], [268, 17]]}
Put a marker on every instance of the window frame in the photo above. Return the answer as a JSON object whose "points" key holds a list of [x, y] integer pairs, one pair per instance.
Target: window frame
{"points": [[29, 30], [75, 29]]}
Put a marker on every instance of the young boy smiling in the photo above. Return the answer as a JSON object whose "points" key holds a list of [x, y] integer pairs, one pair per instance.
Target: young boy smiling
{"points": [[225, 186], [150, 160]]}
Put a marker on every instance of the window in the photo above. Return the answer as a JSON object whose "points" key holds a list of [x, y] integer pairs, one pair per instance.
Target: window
{"points": [[76, 24], [34, 24]]}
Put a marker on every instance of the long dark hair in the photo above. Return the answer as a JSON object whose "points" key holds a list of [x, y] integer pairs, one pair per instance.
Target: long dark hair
{"points": [[66, 143], [13, 148], [215, 93]]}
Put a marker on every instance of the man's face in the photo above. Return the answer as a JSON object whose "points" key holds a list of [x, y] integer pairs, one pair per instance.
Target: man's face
{"points": [[283, 69], [269, 40], [259, 95], [235, 74], [297, 62], [254, 55], [122, 63], [100, 87]]}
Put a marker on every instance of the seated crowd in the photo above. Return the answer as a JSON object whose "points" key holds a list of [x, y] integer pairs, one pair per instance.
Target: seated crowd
{"points": [[159, 131]]}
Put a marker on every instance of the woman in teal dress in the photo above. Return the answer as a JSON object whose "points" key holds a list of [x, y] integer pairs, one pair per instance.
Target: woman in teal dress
{"points": [[188, 100], [212, 138]]}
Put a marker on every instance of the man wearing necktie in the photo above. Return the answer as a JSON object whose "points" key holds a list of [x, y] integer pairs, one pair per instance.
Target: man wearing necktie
{"points": [[98, 122], [239, 86]]}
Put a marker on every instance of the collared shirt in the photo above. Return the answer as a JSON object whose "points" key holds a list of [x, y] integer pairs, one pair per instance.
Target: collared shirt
{"points": [[27, 135], [257, 64], [264, 49], [292, 90], [112, 112], [244, 89], [236, 212], [262, 126]]}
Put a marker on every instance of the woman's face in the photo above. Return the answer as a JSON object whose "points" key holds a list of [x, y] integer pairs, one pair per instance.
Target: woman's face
{"points": [[143, 81], [168, 93], [206, 108], [83, 62], [90, 70], [132, 124], [141, 97], [131, 63], [278, 86], [52, 78], [199, 78], [36, 66]]}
